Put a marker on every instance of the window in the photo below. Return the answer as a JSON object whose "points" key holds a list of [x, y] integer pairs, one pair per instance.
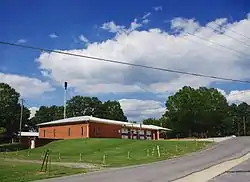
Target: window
{"points": [[54, 131], [69, 132], [43, 133], [82, 130]]}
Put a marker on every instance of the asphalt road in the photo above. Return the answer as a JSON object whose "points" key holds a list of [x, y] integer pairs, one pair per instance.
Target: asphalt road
{"points": [[168, 170], [239, 173]]}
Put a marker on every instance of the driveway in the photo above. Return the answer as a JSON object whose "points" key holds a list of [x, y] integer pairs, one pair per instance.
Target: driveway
{"points": [[168, 170]]}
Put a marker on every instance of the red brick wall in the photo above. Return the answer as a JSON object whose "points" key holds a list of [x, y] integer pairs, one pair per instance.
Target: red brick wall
{"points": [[101, 130], [79, 130]]}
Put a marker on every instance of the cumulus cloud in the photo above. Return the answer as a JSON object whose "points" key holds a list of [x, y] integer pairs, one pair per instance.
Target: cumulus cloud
{"points": [[121, 29], [22, 41], [83, 39], [53, 36], [33, 111], [112, 27], [28, 87], [236, 96], [188, 25], [137, 110], [152, 47]]}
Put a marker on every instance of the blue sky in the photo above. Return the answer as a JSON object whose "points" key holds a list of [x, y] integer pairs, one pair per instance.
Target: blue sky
{"points": [[80, 26]]}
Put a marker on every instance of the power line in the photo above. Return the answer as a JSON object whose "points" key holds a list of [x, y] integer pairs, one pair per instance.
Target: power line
{"points": [[221, 45], [242, 42], [27, 103], [232, 30], [125, 63]]}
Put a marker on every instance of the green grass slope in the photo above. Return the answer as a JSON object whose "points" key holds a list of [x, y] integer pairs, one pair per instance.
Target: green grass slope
{"points": [[16, 171], [111, 152]]}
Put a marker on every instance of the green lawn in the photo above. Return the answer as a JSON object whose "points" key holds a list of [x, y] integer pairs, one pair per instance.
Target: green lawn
{"points": [[17, 172], [117, 152]]}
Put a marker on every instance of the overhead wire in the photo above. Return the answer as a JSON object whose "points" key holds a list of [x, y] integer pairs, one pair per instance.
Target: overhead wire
{"points": [[215, 43], [242, 42], [124, 63], [233, 31]]}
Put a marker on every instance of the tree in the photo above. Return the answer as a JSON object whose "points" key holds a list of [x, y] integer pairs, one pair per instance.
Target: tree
{"points": [[112, 110], [84, 106], [243, 114], [10, 109], [152, 121], [162, 122], [197, 112], [46, 114]]}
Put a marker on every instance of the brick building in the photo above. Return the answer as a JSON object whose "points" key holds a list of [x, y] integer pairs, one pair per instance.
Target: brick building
{"points": [[92, 127]]}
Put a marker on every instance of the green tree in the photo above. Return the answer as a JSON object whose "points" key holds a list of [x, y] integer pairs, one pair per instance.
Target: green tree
{"points": [[84, 106], [199, 112], [112, 110], [243, 114], [46, 114], [10, 109], [152, 121]]}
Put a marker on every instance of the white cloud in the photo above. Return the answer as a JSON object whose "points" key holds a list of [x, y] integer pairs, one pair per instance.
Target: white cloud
{"points": [[145, 21], [53, 35], [137, 110], [112, 27], [188, 25], [134, 25], [153, 47], [28, 87], [83, 39], [22, 41], [33, 111], [157, 8], [146, 15], [236, 96]]}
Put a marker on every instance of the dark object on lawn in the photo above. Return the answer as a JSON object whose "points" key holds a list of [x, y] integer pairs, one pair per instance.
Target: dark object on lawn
{"points": [[46, 159]]}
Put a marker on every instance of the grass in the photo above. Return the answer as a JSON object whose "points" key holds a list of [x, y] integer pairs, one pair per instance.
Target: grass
{"points": [[17, 172], [11, 147], [117, 152]]}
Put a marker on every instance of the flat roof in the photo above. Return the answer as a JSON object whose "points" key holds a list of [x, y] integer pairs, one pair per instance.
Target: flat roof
{"points": [[100, 120]]}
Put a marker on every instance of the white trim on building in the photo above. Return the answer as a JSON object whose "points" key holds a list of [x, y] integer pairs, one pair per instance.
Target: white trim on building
{"points": [[29, 134], [104, 121]]}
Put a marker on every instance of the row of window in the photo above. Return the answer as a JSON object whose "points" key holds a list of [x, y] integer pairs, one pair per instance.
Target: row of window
{"points": [[69, 132], [96, 131]]}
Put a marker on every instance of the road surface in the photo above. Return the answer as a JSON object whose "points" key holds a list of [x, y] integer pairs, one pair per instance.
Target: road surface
{"points": [[169, 170], [239, 173]]}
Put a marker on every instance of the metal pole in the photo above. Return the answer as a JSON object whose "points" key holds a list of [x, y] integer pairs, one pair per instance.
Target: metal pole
{"points": [[65, 99], [21, 119]]}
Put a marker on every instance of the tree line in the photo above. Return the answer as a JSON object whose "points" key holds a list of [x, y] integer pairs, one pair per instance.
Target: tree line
{"points": [[77, 106], [81, 106], [202, 112]]}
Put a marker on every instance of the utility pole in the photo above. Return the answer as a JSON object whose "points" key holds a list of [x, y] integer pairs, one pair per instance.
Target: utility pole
{"points": [[21, 119], [238, 128], [65, 99], [244, 125]]}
